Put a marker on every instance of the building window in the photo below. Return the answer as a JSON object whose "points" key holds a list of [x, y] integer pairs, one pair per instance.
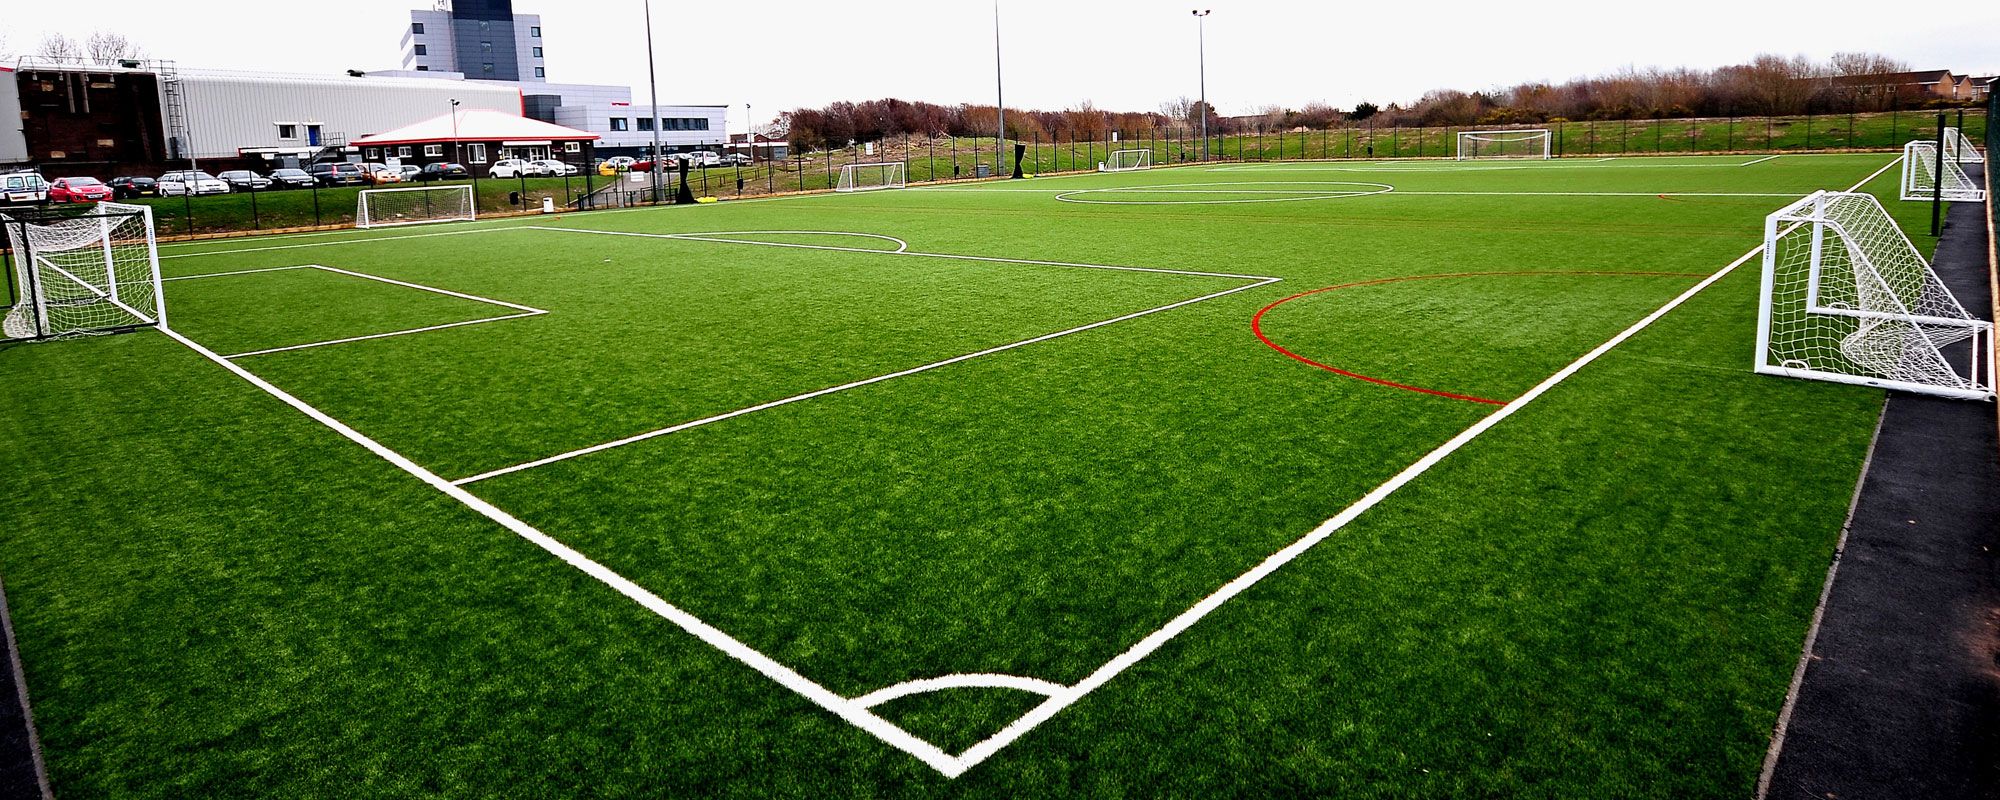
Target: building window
{"points": [[618, 123], [422, 68], [538, 52], [572, 147], [645, 123], [477, 152], [486, 67], [288, 131], [701, 124], [417, 28], [485, 24], [541, 73], [423, 49], [403, 152], [374, 153], [433, 151], [485, 47], [535, 31]]}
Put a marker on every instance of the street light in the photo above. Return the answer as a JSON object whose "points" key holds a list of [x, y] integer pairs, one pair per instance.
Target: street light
{"points": [[999, 92], [1201, 55]]}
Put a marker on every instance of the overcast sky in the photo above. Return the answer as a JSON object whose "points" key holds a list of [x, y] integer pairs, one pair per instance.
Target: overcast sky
{"points": [[782, 54]]}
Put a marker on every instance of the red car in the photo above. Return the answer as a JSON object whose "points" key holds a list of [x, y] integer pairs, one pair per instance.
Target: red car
{"points": [[78, 190]]}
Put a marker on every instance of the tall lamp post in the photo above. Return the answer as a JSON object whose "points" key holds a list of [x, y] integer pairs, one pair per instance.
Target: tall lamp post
{"points": [[1201, 57], [749, 136], [653, 87], [999, 93]]}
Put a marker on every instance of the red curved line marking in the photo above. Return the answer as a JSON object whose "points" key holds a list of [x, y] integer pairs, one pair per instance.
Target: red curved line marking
{"points": [[1257, 321]]}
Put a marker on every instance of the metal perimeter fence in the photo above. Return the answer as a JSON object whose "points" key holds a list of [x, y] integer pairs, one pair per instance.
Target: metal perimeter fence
{"points": [[929, 159]]}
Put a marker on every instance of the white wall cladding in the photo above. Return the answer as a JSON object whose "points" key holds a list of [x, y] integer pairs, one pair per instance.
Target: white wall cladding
{"points": [[229, 110]]}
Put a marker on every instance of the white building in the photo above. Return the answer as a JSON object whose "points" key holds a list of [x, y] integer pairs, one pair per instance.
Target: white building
{"points": [[277, 117]]}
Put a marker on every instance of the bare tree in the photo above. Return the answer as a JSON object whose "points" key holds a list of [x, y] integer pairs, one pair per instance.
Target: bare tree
{"points": [[57, 47], [1845, 64], [6, 53], [105, 47]]}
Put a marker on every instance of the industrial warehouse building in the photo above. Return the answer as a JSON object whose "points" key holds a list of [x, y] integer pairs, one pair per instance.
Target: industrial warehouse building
{"points": [[144, 117]]}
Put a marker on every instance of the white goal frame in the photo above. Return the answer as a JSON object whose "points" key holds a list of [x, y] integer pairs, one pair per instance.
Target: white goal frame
{"points": [[1505, 136], [1126, 161], [464, 207], [1847, 298], [1961, 149], [92, 273], [854, 177], [1920, 165]]}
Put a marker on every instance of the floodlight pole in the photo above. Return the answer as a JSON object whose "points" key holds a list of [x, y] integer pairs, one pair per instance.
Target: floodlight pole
{"points": [[999, 93], [653, 88], [1201, 58]]}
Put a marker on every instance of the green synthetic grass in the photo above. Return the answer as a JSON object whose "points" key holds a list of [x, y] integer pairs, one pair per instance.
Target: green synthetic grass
{"points": [[1602, 596]]}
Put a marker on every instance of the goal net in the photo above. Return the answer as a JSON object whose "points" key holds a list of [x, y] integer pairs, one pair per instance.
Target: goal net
{"points": [[96, 272], [1517, 143], [1960, 149], [1126, 161], [378, 208], [1921, 176], [869, 177], [1847, 298]]}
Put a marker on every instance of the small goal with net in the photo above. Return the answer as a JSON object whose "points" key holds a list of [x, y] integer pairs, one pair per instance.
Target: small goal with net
{"points": [[1126, 161], [381, 208], [1846, 298], [71, 275], [1960, 149], [1923, 171], [1511, 143], [870, 177]]}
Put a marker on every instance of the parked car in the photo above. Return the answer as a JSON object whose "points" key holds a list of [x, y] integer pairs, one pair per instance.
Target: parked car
{"points": [[243, 180], [130, 186], [514, 167], [620, 162], [552, 167], [195, 182], [338, 173], [379, 174], [443, 171], [409, 172], [78, 190], [703, 158], [738, 160], [290, 179], [23, 187]]}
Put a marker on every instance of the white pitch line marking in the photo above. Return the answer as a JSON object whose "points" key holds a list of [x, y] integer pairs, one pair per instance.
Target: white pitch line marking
{"points": [[1758, 161], [238, 272], [406, 332], [524, 311], [673, 429], [983, 680]]}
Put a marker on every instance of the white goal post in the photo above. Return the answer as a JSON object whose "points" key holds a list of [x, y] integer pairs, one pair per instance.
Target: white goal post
{"points": [[1126, 161], [870, 177], [1846, 298], [381, 208], [97, 272], [1960, 149], [1509, 143], [1921, 176]]}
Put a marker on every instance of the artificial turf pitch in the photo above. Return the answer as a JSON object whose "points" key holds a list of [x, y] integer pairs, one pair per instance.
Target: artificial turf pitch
{"points": [[1604, 594]]}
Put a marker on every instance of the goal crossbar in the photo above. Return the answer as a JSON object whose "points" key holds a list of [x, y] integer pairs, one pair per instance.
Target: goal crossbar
{"points": [[1505, 143], [1126, 161], [417, 205], [1845, 297]]}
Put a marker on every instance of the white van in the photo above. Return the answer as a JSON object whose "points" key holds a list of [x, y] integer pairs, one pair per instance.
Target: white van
{"points": [[23, 187]]}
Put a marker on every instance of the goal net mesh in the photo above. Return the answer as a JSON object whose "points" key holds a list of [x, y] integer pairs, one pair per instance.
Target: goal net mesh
{"points": [[868, 177], [93, 273], [1921, 176], [1127, 160], [1846, 297], [1960, 149], [1503, 144], [378, 208]]}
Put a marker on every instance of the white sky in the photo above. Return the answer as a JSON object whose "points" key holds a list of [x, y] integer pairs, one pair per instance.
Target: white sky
{"points": [[782, 54]]}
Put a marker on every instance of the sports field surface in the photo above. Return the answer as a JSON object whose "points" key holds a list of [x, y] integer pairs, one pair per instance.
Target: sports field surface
{"points": [[1396, 479]]}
